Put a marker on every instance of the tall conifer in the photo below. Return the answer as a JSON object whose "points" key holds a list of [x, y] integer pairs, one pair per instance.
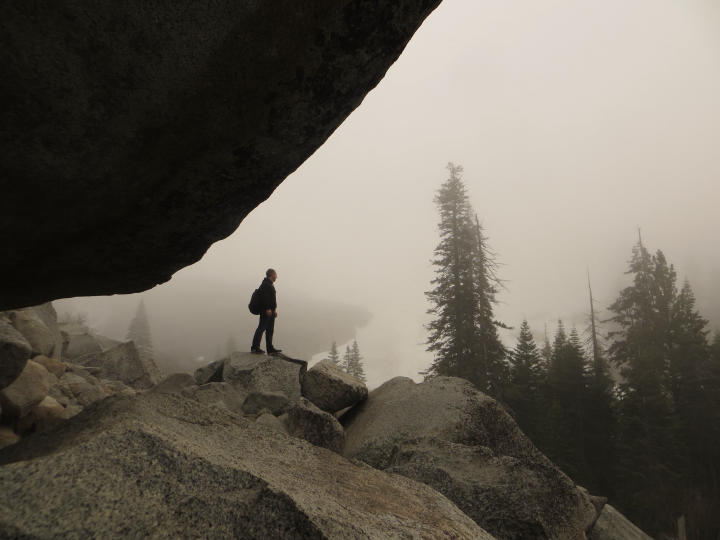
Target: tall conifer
{"points": [[139, 331], [347, 360], [566, 393], [490, 347], [526, 374], [463, 335], [546, 351], [355, 367], [649, 454], [694, 386], [333, 355], [710, 450]]}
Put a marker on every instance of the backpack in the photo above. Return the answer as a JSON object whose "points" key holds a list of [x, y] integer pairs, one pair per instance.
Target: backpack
{"points": [[254, 305]]}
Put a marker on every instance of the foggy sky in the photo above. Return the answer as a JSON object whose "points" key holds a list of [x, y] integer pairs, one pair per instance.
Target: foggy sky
{"points": [[575, 122]]}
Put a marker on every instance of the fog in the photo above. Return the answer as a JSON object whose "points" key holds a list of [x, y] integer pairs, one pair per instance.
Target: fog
{"points": [[576, 123]]}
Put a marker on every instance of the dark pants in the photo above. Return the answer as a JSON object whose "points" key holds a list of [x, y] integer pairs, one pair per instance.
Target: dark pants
{"points": [[267, 325]]}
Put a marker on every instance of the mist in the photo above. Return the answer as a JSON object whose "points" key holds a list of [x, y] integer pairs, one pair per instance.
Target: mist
{"points": [[576, 125]]}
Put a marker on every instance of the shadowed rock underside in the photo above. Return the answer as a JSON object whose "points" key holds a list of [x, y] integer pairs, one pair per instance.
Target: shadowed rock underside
{"points": [[135, 134]]}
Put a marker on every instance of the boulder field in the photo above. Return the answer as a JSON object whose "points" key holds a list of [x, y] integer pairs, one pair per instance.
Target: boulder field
{"points": [[256, 446], [169, 463], [163, 466], [43, 382]]}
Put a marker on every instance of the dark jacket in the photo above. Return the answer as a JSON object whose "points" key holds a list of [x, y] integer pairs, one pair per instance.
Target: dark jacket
{"points": [[267, 295]]}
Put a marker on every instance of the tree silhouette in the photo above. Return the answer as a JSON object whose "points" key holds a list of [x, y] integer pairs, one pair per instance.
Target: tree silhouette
{"points": [[355, 366], [139, 331], [333, 355], [463, 335]]}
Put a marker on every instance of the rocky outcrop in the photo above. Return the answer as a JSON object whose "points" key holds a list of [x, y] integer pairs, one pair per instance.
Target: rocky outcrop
{"points": [[217, 394], [155, 128], [81, 344], [55, 367], [124, 363], [159, 465], [47, 314], [274, 402], [29, 389], [48, 390], [45, 415], [112, 388], [80, 390], [175, 383], [306, 421], [15, 351], [442, 433], [25, 333], [612, 525], [271, 421], [213, 372], [39, 327], [252, 372], [7, 436], [80, 339], [461, 442], [254, 385], [330, 388]]}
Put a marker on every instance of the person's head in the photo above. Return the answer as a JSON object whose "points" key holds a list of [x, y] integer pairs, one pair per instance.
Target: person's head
{"points": [[271, 274]]}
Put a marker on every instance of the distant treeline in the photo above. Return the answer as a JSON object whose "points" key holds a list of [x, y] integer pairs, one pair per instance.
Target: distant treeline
{"points": [[351, 362], [647, 433]]}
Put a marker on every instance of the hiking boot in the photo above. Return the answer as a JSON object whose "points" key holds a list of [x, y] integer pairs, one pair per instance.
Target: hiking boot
{"points": [[257, 350], [274, 351]]}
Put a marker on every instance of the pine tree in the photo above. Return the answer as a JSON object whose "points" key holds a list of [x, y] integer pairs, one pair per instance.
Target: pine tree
{"points": [[688, 354], [463, 335], [698, 414], [347, 360], [648, 435], [560, 340], [688, 351], [355, 367], [526, 377], [333, 355], [707, 452], [715, 347], [491, 349], [546, 352], [452, 333], [139, 332], [565, 394], [710, 450]]}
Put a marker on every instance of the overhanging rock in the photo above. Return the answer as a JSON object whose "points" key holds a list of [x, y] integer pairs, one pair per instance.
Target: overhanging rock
{"points": [[135, 134]]}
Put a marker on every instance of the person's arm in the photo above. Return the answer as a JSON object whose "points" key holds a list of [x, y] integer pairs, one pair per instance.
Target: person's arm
{"points": [[268, 299]]}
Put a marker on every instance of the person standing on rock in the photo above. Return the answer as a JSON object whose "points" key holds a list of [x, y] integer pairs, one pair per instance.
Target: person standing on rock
{"points": [[268, 314]]}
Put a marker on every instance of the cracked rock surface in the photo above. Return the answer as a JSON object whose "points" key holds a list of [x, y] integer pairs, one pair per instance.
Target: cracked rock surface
{"points": [[162, 466], [448, 435]]}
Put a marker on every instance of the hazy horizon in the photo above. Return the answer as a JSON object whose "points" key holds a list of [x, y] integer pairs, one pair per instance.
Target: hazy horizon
{"points": [[575, 124]]}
